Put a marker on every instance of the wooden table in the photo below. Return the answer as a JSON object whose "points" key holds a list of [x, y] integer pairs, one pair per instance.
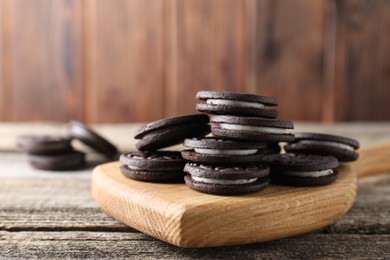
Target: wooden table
{"points": [[53, 215]]}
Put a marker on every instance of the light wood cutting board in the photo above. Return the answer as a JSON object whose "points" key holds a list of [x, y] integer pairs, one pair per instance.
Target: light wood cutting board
{"points": [[178, 215]]}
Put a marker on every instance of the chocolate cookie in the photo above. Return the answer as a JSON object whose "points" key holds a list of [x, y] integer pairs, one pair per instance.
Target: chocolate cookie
{"points": [[225, 180], [252, 128], [57, 162], [45, 144], [152, 166], [232, 103], [302, 169], [171, 131], [342, 148], [92, 139], [217, 150]]}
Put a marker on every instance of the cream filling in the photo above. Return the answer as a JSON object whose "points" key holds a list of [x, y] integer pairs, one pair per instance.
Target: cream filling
{"points": [[223, 182], [225, 152], [259, 129], [226, 102], [135, 168], [327, 143], [79, 131], [307, 174]]}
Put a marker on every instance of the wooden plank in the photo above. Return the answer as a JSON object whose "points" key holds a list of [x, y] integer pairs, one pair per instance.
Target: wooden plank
{"points": [[45, 245], [205, 50], [229, 54], [286, 60], [328, 92], [60, 219], [4, 57], [45, 60], [371, 211], [124, 46], [1, 64], [362, 62], [188, 52]]}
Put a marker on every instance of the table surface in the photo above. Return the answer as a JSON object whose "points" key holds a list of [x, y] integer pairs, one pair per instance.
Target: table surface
{"points": [[53, 215]]}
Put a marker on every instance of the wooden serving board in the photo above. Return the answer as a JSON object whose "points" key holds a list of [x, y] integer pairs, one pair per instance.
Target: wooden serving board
{"points": [[178, 215]]}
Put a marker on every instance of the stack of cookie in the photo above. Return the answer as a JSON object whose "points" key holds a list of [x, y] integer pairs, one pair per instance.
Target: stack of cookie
{"points": [[244, 130], [312, 159], [56, 153], [151, 164], [237, 158]]}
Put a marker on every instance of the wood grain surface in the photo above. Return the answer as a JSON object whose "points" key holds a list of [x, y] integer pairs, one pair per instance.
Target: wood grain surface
{"points": [[187, 218], [2, 108], [124, 60], [50, 215], [43, 76], [132, 60], [106, 245], [362, 63], [288, 55]]}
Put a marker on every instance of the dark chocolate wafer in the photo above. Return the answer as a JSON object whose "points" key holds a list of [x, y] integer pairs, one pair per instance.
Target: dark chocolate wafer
{"points": [[233, 103], [226, 180], [302, 169], [152, 166], [343, 148]]}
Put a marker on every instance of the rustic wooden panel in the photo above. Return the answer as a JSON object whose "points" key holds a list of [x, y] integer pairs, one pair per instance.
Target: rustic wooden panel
{"points": [[286, 58], [109, 61], [328, 88], [205, 50], [124, 46], [1, 64], [362, 68], [49, 245], [44, 62]]}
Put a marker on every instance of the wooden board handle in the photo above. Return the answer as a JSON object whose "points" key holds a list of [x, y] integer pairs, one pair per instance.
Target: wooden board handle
{"points": [[373, 160]]}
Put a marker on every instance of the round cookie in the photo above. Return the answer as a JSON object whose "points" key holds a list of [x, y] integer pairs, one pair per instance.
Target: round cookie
{"points": [[92, 139], [57, 162], [45, 144], [171, 131], [152, 166], [302, 169], [252, 128], [218, 150], [225, 180], [342, 148], [233, 103]]}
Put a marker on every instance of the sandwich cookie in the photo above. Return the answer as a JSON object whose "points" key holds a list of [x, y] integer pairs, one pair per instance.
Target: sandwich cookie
{"points": [[226, 180], [152, 166], [171, 131], [302, 169], [342, 148], [57, 162], [217, 150], [89, 137], [232, 103], [252, 128], [45, 144]]}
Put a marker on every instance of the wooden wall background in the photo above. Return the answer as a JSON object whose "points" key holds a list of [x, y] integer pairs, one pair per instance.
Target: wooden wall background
{"points": [[140, 60]]}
